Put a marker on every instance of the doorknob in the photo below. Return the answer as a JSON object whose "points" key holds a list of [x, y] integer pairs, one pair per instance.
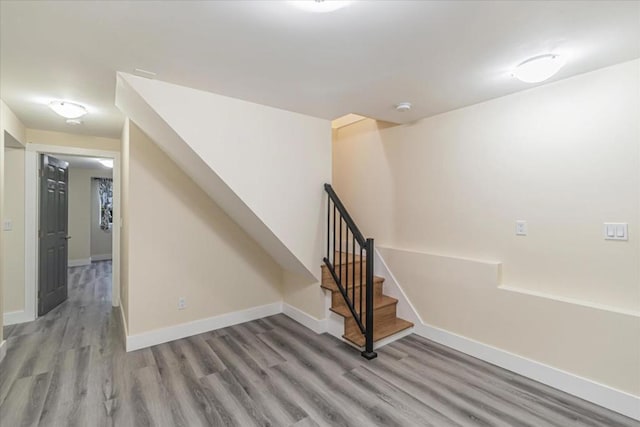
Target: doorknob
{"points": [[66, 237]]}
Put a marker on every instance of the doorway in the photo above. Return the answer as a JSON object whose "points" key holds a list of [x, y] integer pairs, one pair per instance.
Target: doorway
{"points": [[84, 168]]}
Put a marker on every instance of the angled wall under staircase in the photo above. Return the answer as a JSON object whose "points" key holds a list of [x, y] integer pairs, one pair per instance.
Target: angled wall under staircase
{"points": [[263, 166]]}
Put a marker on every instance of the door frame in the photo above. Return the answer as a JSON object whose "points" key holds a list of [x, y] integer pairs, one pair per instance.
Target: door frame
{"points": [[32, 210]]}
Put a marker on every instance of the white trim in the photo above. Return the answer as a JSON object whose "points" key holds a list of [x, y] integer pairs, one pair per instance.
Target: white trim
{"points": [[79, 262], [171, 333], [319, 326], [600, 394], [102, 257], [575, 301], [13, 317], [30, 234], [3, 349], [31, 218], [392, 287], [124, 321]]}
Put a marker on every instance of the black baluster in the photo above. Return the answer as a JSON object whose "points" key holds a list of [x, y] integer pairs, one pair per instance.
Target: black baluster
{"points": [[361, 284], [328, 224], [340, 246], [353, 269], [333, 256]]}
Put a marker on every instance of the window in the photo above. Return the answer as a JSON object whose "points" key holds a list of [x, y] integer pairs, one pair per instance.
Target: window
{"points": [[105, 199]]}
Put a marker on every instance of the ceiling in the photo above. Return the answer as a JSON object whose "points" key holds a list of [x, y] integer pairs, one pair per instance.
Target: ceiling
{"points": [[80, 162], [364, 58]]}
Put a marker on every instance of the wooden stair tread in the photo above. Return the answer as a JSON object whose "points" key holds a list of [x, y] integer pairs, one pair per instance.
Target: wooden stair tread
{"points": [[378, 303], [381, 332], [331, 286], [345, 258]]}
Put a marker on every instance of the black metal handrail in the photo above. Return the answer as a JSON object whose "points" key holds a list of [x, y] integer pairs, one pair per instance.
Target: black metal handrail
{"points": [[342, 271]]}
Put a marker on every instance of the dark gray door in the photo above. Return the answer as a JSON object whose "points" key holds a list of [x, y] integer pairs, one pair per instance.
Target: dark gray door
{"points": [[54, 206]]}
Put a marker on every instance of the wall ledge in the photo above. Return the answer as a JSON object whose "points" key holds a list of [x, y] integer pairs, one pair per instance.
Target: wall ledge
{"points": [[425, 252], [575, 301]]}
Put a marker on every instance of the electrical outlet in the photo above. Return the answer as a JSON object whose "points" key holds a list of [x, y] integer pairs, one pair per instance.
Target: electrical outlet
{"points": [[521, 228], [182, 303]]}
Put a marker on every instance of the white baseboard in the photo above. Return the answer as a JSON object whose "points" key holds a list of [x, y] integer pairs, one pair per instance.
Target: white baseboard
{"points": [[3, 349], [13, 317], [159, 336], [600, 394], [103, 257], [318, 326], [79, 262]]}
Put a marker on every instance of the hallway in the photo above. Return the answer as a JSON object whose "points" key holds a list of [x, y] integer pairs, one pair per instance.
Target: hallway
{"points": [[69, 368]]}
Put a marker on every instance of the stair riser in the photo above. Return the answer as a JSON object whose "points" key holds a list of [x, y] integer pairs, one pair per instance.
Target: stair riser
{"points": [[344, 270], [381, 316], [338, 301]]}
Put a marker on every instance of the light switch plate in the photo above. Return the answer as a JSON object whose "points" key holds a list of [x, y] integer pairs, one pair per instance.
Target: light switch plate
{"points": [[7, 225], [521, 228], [616, 231]]}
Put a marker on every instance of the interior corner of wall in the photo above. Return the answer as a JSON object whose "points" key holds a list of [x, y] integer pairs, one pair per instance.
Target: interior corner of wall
{"points": [[303, 295]]}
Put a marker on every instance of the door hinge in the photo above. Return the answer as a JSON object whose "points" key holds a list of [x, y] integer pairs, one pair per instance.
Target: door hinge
{"points": [[40, 234], [41, 172]]}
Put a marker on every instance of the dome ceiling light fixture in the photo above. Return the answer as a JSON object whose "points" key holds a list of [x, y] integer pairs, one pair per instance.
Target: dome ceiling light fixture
{"points": [[68, 110], [107, 163], [319, 6], [403, 107], [538, 69]]}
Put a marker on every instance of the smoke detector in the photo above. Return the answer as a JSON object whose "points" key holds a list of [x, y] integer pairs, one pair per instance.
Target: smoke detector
{"points": [[403, 107]]}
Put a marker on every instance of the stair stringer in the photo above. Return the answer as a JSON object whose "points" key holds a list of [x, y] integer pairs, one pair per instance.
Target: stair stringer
{"points": [[146, 101]]}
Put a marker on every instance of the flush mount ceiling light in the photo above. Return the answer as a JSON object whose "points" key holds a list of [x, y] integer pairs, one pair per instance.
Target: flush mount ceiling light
{"points": [[68, 110], [319, 6], [538, 68], [403, 107], [107, 163], [74, 122]]}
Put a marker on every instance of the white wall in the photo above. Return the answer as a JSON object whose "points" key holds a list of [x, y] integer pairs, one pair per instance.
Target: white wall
{"points": [[181, 244], [10, 124], [566, 158], [83, 216], [47, 137], [14, 240], [264, 166]]}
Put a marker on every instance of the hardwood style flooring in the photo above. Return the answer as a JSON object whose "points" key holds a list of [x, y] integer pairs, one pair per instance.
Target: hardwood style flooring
{"points": [[69, 368]]}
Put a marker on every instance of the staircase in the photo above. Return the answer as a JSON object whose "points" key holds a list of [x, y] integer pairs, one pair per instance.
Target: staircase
{"points": [[356, 294]]}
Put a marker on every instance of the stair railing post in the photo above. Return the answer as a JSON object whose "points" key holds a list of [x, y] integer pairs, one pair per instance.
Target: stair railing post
{"points": [[368, 352]]}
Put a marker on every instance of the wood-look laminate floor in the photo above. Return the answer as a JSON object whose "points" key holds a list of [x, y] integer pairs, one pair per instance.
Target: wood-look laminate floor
{"points": [[69, 368]]}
